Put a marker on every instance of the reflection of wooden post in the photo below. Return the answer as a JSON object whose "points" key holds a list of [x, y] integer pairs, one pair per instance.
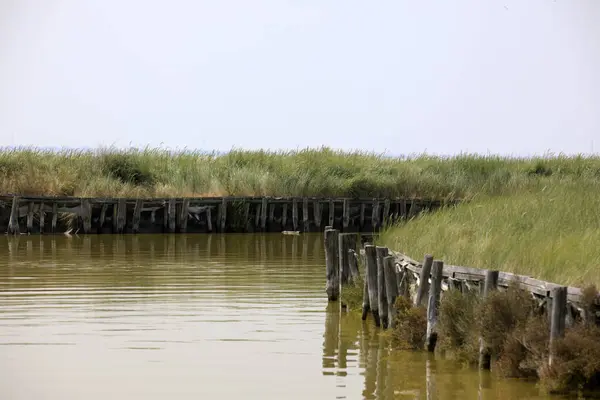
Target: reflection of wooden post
{"points": [[432, 306], [491, 283], [423, 288], [331, 338], [332, 264], [430, 381], [371, 262], [382, 252], [559, 313]]}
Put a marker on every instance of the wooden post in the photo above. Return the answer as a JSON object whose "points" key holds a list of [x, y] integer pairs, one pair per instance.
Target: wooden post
{"points": [[284, 214], [305, 219], [122, 215], [391, 288], [347, 242], [272, 214], [371, 262], [403, 212], [264, 209], [13, 223], [165, 216], [30, 207], [332, 264], [559, 313], [102, 215], [331, 212], [86, 215], [172, 215], [209, 226], [137, 212], [295, 213], [365, 303], [153, 216], [386, 212], [382, 252], [42, 217], [353, 262], [346, 213], [247, 221], [223, 221], [54, 216], [257, 215], [375, 214], [183, 215], [362, 214], [491, 284], [317, 213], [423, 289], [432, 306]]}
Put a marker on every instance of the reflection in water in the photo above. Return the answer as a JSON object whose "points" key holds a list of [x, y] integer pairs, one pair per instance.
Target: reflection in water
{"points": [[187, 316]]}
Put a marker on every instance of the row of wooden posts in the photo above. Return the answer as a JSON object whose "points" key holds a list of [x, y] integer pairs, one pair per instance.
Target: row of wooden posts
{"points": [[385, 280]]}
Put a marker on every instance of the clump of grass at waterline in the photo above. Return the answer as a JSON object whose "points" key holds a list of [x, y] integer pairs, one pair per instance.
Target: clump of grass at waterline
{"points": [[549, 232], [310, 172]]}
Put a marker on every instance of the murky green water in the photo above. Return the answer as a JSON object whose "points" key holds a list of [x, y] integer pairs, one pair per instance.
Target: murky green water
{"points": [[199, 316]]}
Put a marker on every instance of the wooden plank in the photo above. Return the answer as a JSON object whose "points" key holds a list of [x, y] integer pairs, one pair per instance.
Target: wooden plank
{"points": [[558, 316], [317, 213], [371, 263], [223, 222], [346, 213], [491, 284], [295, 213], [86, 215], [433, 304], [137, 212], [332, 264], [263, 213], [391, 288], [184, 215], [331, 212], [381, 253], [54, 216], [423, 288], [305, 220], [30, 208], [42, 217]]}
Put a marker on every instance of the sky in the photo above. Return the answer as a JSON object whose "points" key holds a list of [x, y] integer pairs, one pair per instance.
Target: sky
{"points": [[400, 77]]}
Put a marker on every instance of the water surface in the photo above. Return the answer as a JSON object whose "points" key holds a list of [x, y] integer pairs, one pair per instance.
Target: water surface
{"points": [[199, 316]]}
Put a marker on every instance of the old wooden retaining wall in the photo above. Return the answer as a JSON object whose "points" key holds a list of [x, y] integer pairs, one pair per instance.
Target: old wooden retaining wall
{"points": [[390, 274], [26, 214]]}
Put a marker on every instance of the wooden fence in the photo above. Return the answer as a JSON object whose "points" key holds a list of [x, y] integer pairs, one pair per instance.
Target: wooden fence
{"points": [[390, 274]]}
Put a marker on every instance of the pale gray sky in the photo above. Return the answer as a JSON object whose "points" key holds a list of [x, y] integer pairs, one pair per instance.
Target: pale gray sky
{"points": [[510, 77]]}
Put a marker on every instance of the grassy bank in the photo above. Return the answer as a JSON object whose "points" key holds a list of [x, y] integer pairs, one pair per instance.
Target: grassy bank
{"points": [[311, 172]]}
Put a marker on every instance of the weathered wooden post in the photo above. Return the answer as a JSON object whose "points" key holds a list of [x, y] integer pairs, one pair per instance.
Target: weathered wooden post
{"points": [[305, 220], [223, 219], [332, 264], [122, 215], [183, 215], [375, 214], [42, 217], [365, 303], [30, 207], [353, 262], [317, 213], [172, 215], [432, 306], [557, 321], [371, 263], [284, 215], [490, 284], [386, 212], [362, 215], [54, 216], [86, 215], [295, 213], [102, 216], [382, 252], [423, 288], [347, 242], [13, 223], [263, 213], [137, 213], [391, 288], [346, 214], [331, 212]]}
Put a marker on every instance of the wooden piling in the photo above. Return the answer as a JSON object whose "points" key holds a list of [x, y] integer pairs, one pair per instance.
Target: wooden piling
{"points": [[375, 214], [347, 243], [30, 208], [263, 213], [183, 215], [122, 215], [557, 321], [284, 215], [490, 284], [172, 215], [13, 223], [295, 214], [391, 288], [362, 215], [137, 212], [271, 214], [386, 212], [54, 216], [371, 263], [382, 252], [165, 217], [365, 303], [247, 221], [102, 215], [209, 226], [42, 217], [346, 214], [423, 288], [223, 221], [305, 220], [331, 212], [86, 215], [435, 290], [317, 213], [257, 215], [353, 262], [332, 264]]}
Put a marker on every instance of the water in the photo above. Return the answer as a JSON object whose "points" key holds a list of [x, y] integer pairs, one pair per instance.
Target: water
{"points": [[199, 316]]}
